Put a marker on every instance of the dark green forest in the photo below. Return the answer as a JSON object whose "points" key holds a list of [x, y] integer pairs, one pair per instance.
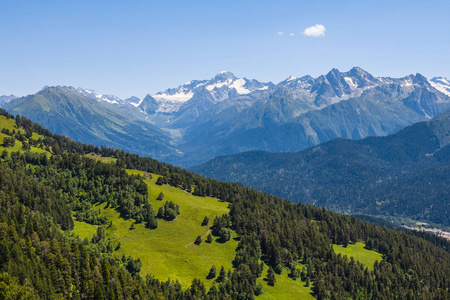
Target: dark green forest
{"points": [[41, 259]]}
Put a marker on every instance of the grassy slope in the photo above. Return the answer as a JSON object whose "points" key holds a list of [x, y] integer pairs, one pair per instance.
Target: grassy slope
{"points": [[284, 288], [108, 160], [357, 251], [11, 125], [164, 251]]}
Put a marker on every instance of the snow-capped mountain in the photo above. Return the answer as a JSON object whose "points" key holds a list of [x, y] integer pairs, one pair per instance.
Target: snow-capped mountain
{"points": [[97, 96], [135, 101], [441, 84], [222, 86], [202, 119], [332, 87]]}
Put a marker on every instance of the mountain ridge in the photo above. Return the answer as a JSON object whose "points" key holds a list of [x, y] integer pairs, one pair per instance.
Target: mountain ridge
{"points": [[226, 114]]}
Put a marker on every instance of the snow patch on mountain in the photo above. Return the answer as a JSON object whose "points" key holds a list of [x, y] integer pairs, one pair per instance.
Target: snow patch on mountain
{"points": [[291, 78], [407, 82], [182, 96], [441, 84], [100, 97], [350, 82], [237, 84]]}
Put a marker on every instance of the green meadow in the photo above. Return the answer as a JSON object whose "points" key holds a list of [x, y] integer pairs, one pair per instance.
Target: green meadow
{"points": [[359, 253], [169, 251], [284, 288], [108, 160]]}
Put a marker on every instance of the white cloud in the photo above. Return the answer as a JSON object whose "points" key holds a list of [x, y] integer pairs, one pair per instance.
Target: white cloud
{"points": [[280, 33], [291, 34], [315, 31]]}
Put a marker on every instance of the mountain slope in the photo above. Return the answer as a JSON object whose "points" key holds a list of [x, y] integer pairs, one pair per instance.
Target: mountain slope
{"points": [[402, 175], [67, 111]]}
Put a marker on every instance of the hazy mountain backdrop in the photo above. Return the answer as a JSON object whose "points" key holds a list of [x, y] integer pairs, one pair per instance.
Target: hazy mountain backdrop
{"points": [[202, 119]]}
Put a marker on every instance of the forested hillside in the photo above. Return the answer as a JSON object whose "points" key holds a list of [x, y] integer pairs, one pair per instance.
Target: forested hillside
{"points": [[48, 181]]}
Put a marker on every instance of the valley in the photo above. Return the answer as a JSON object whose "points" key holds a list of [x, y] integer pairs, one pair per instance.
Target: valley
{"points": [[401, 177]]}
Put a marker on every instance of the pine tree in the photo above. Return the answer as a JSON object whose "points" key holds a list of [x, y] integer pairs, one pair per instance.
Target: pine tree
{"points": [[271, 277], [152, 223], [160, 196], [198, 240], [209, 238], [212, 272], [258, 289], [222, 275], [159, 181], [205, 221]]}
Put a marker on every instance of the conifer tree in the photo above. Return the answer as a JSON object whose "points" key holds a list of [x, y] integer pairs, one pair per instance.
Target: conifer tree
{"points": [[212, 272], [209, 238], [271, 277], [222, 275]]}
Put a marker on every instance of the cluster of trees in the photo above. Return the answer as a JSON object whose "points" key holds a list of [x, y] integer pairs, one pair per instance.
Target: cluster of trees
{"points": [[9, 142], [280, 233], [169, 211]]}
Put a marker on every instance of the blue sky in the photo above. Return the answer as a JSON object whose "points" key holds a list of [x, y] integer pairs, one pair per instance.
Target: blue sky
{"points": [[130, 48]]}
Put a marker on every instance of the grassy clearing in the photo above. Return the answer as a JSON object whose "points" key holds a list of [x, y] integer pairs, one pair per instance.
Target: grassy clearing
{"points": [[108, 160], [85, 230], [7, 123], [18, 146], [169, 251], [284, 288], [11, 125], [357, 251]]}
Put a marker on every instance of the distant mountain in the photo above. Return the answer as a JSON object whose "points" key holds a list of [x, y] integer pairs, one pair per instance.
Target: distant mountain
{"points": [[71, 112], [224, 115], [5, 99], [135, 101], [223, 86], [302, 112], [96, 96], [404, 175]]}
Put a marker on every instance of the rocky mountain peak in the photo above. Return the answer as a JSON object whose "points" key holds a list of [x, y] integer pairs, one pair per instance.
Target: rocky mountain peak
{"points": [[224, 76]]}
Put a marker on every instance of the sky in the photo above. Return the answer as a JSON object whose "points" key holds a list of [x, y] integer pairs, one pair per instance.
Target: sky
{"points": [[134, 48]]}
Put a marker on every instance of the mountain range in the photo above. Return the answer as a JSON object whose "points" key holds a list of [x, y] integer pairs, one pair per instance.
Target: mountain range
{"points": [[202, 119], [400, 176]]}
